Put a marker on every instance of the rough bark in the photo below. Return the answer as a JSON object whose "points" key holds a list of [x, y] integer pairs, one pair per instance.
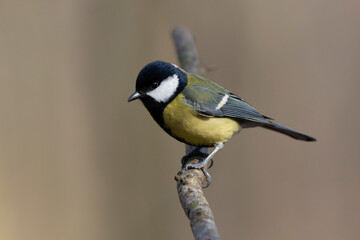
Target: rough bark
{"points": [[190, 182]]}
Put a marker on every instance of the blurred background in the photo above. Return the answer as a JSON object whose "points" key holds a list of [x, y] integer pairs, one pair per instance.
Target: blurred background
{"points": [[77, 161]]}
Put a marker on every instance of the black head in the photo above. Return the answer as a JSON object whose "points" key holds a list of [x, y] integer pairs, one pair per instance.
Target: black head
{"points": [[157, 84], [158, 73]]}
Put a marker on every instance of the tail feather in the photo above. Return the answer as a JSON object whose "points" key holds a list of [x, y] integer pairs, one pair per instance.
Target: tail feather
{"points": [[288, 131]]}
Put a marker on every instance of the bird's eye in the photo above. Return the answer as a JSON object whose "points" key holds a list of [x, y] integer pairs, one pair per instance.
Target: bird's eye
{"points": [[154, 85]]}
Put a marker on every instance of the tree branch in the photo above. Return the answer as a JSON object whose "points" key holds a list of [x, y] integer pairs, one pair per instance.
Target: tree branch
{"points": [[190, 182]]}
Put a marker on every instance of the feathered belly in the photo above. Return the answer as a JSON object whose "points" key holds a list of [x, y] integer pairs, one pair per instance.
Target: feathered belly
{"points": [[182, 121]]}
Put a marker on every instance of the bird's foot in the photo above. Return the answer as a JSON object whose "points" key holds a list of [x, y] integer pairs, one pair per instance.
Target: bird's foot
{"points": [[201, 164], [195, 153], [203, 158]]}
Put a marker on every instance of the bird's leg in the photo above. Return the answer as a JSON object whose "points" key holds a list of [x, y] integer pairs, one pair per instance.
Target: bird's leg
{"points": [[201, 165], [194, 152], [205, 161]]}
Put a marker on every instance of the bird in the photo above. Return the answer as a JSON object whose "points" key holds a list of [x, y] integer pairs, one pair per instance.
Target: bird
{"points": [[197, 111]]}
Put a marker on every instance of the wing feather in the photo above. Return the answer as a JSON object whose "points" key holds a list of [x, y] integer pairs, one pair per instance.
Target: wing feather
{"points": [[206, 99]]}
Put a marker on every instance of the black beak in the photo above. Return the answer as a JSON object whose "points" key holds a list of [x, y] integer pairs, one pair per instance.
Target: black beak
{"points": [[134, 96]]}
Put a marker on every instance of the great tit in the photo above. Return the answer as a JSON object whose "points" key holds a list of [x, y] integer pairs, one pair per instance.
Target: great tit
{"points": [[197, 111]]}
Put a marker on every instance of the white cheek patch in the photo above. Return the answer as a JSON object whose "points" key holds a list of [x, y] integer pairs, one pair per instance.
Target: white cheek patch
{"points": [[165, 90]]}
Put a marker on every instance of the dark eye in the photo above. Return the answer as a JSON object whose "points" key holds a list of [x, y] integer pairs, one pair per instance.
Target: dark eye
{"points": [[154, 85]]}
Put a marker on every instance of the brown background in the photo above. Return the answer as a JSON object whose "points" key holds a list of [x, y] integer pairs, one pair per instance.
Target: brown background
{"points": [[79, 162]]}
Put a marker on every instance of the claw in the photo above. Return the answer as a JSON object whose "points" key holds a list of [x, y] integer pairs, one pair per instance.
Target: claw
{"points": [[195, 152], [211, 163], [208, 177]]}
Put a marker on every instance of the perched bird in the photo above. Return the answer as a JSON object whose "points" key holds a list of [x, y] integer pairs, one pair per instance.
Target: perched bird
{"points": [[197, 111]]}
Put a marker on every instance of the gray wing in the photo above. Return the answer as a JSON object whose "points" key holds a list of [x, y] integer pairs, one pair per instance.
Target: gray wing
{"points": [[239, 109], [215, 101], [221, 104]]}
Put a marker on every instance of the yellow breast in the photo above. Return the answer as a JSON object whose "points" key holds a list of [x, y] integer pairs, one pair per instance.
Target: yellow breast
{"points": [[183, 122]]}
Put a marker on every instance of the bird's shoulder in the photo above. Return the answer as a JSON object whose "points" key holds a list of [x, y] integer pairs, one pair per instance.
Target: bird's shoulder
{"points": [[204, 90], [211, 100], [206, 84]]}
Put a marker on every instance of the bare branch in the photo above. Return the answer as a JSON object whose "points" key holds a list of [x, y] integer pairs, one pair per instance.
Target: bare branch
{"points": [[186, 50], [190, 182]]}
